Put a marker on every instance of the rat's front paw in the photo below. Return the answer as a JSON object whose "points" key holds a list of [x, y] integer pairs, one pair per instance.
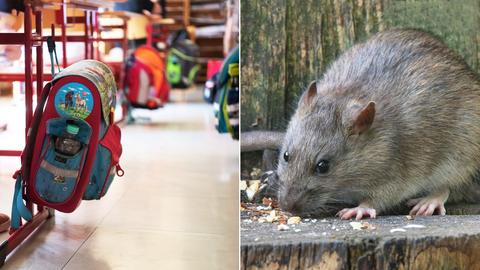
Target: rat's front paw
{"points": [[430, 204], [426, 206], [358, 212]]}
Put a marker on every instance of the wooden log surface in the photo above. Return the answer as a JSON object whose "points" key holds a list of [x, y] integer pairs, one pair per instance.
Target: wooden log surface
{"points": [[446, 242]]}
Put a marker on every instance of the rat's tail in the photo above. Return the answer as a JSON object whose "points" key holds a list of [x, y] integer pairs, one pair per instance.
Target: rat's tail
{"points": [[261, 140]]}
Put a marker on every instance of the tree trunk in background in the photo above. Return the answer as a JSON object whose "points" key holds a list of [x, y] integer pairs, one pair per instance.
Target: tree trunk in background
{"points": [[288, 43], [263, 62]]}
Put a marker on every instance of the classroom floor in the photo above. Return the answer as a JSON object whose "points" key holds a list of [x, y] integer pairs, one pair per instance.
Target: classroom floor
{"points": [[175, 208]]}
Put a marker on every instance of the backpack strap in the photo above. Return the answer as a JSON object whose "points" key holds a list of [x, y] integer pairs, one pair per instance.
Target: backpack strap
{"points": [[19, 210], [52, 52], [32, 131]]}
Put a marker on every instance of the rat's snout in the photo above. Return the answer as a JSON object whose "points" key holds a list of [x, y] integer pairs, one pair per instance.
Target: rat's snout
{"points": [[290, 200], [291, 206]]}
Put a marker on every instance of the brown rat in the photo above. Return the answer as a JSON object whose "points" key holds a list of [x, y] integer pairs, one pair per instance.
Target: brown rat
{"points": [[395, 119]]}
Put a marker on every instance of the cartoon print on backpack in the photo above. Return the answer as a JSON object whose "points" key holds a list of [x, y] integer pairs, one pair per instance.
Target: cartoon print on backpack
{"points": [[74, 100], [80, 104], [69, 99]]}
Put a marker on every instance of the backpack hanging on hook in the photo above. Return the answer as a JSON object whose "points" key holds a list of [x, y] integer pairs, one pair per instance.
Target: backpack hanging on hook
{"points": [[73, 146]]}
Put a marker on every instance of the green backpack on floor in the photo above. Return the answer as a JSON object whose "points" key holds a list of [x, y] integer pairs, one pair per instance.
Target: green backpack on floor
{"points": [[182, 64]]}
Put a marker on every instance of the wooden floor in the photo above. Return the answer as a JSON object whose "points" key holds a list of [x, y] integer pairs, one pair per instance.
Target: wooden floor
{"points": [[175, 208]]}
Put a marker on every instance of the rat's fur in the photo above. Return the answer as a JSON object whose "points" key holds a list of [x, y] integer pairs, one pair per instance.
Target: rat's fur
{"points": [[425, 135]]}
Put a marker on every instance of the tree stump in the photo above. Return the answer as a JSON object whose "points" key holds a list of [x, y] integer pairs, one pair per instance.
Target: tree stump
{"points": [[445, 242]]}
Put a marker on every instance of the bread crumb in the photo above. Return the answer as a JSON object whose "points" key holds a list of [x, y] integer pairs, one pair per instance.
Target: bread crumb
{"points": [[294, 220]]}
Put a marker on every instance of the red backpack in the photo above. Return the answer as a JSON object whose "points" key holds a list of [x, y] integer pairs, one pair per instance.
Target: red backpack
{"points": [[73, 147], [146, 85]]}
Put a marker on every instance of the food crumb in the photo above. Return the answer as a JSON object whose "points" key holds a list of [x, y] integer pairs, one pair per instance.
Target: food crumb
{"points": [[414, 226], [267, 201], [261, 207], [356, 225], [252, 189], [283, 227], [243, 185], [362, 226], [294, 220], [368, 226]]}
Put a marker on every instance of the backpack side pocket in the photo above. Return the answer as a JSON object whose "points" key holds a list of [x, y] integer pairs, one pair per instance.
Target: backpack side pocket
{"points": [[106, 163]]}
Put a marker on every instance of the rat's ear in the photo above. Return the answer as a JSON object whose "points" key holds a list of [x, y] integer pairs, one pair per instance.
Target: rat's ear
{"points": [[361, 119], [309, 94]]}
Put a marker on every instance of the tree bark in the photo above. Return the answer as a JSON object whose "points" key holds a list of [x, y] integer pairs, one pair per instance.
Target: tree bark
{"points": [[286, 44], [263, 63]]}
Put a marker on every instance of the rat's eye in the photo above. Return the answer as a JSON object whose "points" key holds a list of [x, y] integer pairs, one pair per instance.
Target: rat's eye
{"points": [[286, 156], [322, 166]]}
